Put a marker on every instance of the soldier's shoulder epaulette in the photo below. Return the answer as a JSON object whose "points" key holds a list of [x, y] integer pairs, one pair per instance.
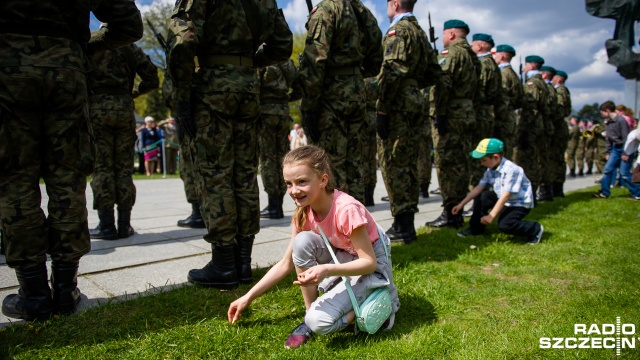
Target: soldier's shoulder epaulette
{"points": [[391, 33], [444, 52]]}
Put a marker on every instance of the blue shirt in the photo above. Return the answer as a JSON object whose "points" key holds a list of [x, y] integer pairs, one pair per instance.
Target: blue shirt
{"points": [[400, 17], [509, 177]]}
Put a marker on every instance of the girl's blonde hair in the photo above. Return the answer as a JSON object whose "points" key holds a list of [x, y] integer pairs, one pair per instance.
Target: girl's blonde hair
{"points": [[625, 110], [317, 160]]}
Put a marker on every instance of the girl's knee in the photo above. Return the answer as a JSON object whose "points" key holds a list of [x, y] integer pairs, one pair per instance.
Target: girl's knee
{"points": [[306, 249], [322, 323]]}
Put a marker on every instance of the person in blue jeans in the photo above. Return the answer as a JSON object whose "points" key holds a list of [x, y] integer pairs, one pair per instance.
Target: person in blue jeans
{"points": [[617, 129]]}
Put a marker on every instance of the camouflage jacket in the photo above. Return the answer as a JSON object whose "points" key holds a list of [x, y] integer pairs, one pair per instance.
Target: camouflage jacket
{"points": [[239, 40], [535, 99], [409, 64], [564, 100], [342, 44], [460, 75], [53, 33], [512, 90], [275, 81], [552, 109], [115, 72], [490, 82], [371, 91]]}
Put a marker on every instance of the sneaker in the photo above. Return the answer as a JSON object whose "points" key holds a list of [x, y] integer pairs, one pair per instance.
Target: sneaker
{"points": [[537, 238], [634, 198], [468, 232], [600, 195], [598, 181], [435, 191], [300, 335], [467, 214]]}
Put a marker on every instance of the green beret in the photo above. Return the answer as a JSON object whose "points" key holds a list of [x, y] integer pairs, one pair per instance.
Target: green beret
{"points": [[507, 49], [548, 68], [456, 24], [483, 37], [584, 120], [534, 59], [563, 74], [577, 116]]}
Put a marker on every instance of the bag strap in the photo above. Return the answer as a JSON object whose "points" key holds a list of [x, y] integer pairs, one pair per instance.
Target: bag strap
{"points": [[352, 296]]}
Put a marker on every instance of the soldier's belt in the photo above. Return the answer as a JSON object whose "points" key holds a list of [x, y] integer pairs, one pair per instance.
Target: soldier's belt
{"points": [[349, 70], [212, 60]]}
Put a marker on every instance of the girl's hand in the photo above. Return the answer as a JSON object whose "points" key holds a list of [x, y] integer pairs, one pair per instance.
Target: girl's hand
{"points": [[235, 309], [312, 276], [487, 219]]}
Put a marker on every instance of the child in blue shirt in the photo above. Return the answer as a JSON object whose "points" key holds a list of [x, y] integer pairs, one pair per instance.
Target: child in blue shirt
{"points": [[511, 196]]}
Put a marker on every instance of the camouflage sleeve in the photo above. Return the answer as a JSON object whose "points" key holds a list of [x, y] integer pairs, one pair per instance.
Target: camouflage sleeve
{"points": [[395, 67], [314, 58], [372, 43], [147, 71], [124, 24], [186, 25], [288, 71], [531, 96], [277, 47], [450, 64], [518, 93], [494, 93]]}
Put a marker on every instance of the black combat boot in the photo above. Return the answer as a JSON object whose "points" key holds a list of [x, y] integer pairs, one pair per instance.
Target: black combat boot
{"points": [[220, 272], [572, 173], [33, 300], [368, 196], [424, 191], [194, 220], [589, 172], [274, 209], [64, 286], [447, 219], [243, 258], [558, 189], [581, 173], [124, 224], [106, 229], [545, 193], [403, 228]]}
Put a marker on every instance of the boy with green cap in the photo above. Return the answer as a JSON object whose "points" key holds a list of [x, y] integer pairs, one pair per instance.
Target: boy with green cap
{"points": [[511, 196]]}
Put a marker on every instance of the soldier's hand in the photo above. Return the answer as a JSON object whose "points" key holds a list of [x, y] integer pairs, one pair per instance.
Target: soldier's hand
{"points": [[382, 125], [184, 121], [310, 125], [441, 124]]}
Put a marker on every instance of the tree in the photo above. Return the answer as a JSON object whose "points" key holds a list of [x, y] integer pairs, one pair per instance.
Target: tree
{"points": [[590, 111], [298, 46]]}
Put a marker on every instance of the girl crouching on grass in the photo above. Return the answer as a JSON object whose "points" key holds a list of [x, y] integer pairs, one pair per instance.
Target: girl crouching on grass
{"points": [[353, 234]]}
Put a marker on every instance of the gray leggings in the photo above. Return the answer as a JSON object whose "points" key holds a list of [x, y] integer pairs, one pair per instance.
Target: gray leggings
{"points": [[329, 312]]}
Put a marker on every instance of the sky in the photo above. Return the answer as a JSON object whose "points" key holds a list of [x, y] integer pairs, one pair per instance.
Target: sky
{"points": [[561, 31]]}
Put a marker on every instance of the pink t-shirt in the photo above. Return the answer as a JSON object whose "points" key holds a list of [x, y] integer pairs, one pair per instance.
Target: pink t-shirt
{"points": [[345, 215]]}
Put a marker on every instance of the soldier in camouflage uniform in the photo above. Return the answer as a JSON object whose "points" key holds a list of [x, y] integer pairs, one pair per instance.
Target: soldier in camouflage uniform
{"points": [[274, 125], [454, 119], [370, 142], [572, 144], [343, 47], [547, 144], [217, 110], [531, 127], [426, 142], [44, 134], [561, 133], [111, 93], [489, 89], [512, 93], [409, 65]]}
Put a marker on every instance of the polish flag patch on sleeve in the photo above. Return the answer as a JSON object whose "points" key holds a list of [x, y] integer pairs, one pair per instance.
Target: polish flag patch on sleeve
{"points": [[391, 33], [444, 52], [314, 9], [529, 83]]}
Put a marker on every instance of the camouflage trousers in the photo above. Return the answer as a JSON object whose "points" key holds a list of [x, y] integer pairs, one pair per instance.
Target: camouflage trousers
{"points": [[505, 130], [399, 162], [546, 157], [44, 134], [112, 121], [273, 146], [580, 153], [370, 145], [425, 143], [572, 148], [171, 157], [483, 128], [600, 159], [527, 152], [451, 152], [225, 155], [187, 172], [342, 126], [590, 153]]}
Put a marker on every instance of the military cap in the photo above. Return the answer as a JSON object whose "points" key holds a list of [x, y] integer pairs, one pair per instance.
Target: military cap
{"points": [[483, 37], [548, 68], [584, 120], [456, 24], [506, 48], [562, 73], [577, 116], [534, 59]]}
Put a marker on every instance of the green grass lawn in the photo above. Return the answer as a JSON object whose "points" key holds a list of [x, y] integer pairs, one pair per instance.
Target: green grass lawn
{"points": [[492, 302]]}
